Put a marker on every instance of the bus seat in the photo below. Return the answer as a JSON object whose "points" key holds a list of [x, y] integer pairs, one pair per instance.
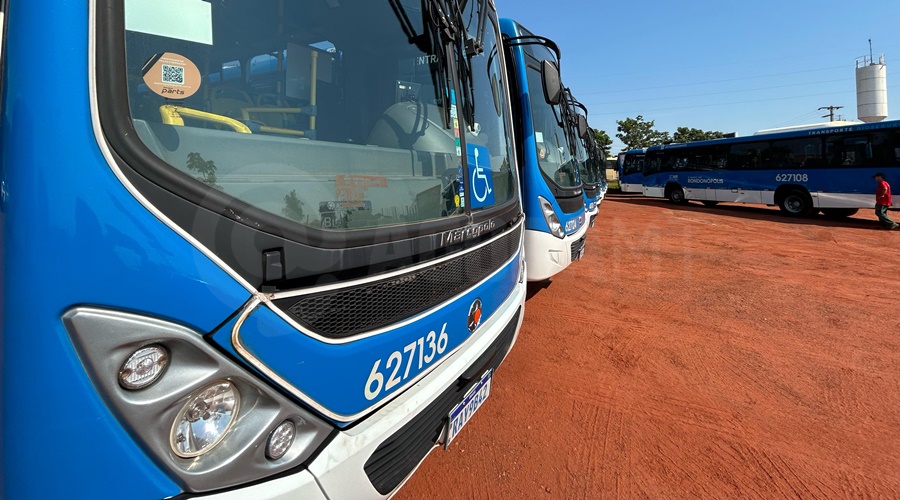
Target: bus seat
{"points": [[412, 125]]}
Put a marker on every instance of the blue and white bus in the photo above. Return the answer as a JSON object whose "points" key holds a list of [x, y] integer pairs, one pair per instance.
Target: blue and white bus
{"points": [[631, 170], [827, 169], [552, 193], [229, 283], [588, 156], [597, 157]]}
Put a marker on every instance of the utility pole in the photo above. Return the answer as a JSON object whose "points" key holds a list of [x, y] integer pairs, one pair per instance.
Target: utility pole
{"points": [[831, 110]]}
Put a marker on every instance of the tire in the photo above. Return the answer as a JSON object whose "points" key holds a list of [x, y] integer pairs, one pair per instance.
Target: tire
{"points": [[796, 203], [710, 203], [676, 195], [839, 212]]}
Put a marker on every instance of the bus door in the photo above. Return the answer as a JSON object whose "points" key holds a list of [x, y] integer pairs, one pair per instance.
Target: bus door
{"points": [[742, 181], [846, 152]]}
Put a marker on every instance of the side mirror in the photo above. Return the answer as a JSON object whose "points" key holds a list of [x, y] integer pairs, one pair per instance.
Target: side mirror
{"points": [[582, 126], [552, 84]]}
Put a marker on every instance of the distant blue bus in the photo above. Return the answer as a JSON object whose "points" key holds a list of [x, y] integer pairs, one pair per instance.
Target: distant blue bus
{"points": [[552, 191], [631, 170], [827, 169], [250, 248]]}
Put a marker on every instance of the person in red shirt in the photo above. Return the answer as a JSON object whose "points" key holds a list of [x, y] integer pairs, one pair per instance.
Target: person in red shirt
{"points": [[883, 202]]}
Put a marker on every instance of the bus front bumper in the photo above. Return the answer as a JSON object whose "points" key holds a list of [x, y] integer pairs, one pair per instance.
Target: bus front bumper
{"points": [[339, 470], [547, 255]]}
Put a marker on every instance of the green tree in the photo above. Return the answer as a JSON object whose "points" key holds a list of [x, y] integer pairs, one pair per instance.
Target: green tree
{"points": [[206, 169], [637, 133], [685, 134], [603, 141], [293, 207]]}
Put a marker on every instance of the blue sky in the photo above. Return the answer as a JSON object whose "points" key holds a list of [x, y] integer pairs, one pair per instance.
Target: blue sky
{"points": [[715, 65]]}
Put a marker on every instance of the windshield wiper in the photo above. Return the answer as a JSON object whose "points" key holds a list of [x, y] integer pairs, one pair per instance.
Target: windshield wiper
{"points": [[475, 45], [446, 30]]}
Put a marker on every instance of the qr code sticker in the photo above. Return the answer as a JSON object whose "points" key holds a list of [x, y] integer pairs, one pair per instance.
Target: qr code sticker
{"points": [[173, 75]]}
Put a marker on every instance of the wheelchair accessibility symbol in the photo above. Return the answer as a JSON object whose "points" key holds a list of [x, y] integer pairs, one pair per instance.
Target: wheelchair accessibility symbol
{"points": [[480, 175]]}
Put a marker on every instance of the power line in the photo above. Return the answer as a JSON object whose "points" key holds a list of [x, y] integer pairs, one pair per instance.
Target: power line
{"points": [[756, 62], [710, 81], [728, 103], [626, 113], [719, 93], [796, 120]]}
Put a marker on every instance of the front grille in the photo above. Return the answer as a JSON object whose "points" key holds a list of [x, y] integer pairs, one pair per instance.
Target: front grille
{"points": [[572, 204], [593, 219], [401, 453], [576, 248], [342, 313]]}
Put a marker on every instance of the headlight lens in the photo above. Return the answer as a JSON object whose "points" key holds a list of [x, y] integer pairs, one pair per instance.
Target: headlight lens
{"points": [[143, 367], [280, 440], [204, 420], [551, 218]]}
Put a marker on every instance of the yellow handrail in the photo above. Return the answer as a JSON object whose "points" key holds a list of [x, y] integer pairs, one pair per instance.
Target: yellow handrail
{"points": [[173, 115], [283, 131], [245, 112], [313, 87]]}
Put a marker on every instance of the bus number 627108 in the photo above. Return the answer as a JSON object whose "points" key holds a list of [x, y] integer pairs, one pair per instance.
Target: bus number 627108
{"points": [[791, 178]]}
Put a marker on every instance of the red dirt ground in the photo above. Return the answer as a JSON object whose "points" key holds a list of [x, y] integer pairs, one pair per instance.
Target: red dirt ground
{"points": [[696, 353]]}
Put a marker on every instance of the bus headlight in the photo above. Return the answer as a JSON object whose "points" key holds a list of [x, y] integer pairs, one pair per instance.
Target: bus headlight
{"points": [[551, 218], [203, 421], [196, 412]]}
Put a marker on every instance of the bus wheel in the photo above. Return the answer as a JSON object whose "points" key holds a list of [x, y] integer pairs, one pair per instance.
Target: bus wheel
{"points": [[839, 212], [710, 203], [676, 195], [796, 203]]}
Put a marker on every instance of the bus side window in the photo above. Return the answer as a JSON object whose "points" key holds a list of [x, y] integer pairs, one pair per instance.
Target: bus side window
{"points": [[745, 156], [883, 149], [893, 148], [848, 151], [710, 158]]}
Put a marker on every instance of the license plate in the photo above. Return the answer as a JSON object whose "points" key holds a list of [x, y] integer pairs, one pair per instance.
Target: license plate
{"points": [[462, 413]]}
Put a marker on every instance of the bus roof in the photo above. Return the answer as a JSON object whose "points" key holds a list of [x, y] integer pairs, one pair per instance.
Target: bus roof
{"points": [[839, 123], [854, 127]]}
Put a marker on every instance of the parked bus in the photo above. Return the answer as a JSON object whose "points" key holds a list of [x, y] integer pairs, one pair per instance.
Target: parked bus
{"points": [[229, 283], [598, 158], [631, 170], [588, 156], [552, 193], [826, 169]]}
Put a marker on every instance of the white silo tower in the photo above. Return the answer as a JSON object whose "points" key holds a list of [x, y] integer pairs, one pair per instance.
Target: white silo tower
{"points": [[871, 88]]}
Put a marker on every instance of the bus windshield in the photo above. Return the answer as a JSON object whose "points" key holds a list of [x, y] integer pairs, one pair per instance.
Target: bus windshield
{"points": [[333, 115], [585, 164], [554, 155]]}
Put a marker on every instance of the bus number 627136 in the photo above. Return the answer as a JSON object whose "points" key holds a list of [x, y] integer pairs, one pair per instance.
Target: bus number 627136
{"points": [[436, 344]]}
